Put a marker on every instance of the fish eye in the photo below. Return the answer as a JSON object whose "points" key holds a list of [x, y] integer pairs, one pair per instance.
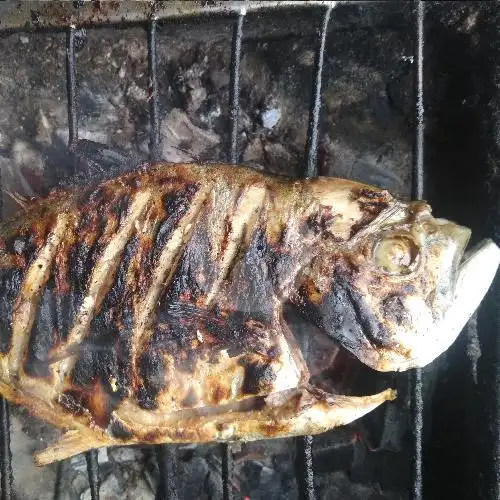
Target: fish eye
{"points": [[396, 254]]}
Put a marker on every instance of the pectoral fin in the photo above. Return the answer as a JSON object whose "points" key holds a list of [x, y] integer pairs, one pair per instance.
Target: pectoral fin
{"points": [[71, 443]]}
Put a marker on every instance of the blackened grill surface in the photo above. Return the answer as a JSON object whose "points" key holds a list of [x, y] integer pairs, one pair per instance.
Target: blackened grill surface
{"points": [[457, 29], [468, 393], [489, 316]]}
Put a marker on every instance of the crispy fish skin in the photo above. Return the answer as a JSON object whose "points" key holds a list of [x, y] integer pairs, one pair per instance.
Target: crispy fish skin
{"points": [[148, 308]]}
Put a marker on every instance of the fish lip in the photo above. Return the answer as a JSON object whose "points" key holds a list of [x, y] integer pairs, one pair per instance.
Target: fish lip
{"points": [[470, 253], [484, 255], [475, 274], [467, 258], [477, 270]]}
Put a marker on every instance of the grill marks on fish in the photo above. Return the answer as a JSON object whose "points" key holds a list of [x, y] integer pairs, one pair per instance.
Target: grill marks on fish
{"points": [[98, 348], [371, 204], [264, 271], [246, 214], [179, 229], [44, 335], [95, 361], [176, 204], [89, 241], [101, 281], [203, 266], [36, 277], [195, 269], [103, 362], [16, 255], [250, 288], [56, 311], [216, 344], [75, 258]]}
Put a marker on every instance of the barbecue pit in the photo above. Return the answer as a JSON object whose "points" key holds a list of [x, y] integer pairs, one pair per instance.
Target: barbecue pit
{"points": [[403, 95]]}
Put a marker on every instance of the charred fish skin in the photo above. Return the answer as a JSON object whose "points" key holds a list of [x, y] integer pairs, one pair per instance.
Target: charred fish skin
{"points": [[156, 313]]}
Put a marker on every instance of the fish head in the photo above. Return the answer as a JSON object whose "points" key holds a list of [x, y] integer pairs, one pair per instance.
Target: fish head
{"points": [[400, 292]]}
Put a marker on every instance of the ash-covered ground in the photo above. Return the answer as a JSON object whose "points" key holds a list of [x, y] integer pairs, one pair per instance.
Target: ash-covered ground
{"points": [[366, 134]]}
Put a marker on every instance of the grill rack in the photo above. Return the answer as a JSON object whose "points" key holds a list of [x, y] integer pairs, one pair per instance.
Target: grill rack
{"points": [[152, 14]]}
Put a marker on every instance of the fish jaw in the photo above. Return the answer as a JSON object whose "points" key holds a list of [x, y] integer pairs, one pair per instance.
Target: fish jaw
{"points": [[475, 276]]}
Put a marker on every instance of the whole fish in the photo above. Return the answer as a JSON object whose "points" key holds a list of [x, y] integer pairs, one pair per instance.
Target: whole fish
{"points": [[148, 308]]}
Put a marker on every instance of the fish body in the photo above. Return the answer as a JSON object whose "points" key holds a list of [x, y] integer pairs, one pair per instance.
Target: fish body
{"points": [[149, 308]]}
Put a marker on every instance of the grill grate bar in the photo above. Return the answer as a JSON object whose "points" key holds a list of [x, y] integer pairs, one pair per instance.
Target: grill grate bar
{"points": [[71, 85], [417, 193], [165, 454], [227, 472], [417, 425], [61, 480], [234, 97], [153, 93], [303, 460], [93, 471], [418, 146], [58, 15], [304, 465], [314, 113], [235, 83], [6, 455], [167, 488]]}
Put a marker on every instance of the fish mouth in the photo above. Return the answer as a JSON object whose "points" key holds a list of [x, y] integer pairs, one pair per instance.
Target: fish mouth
{"points": [[476, 272]]}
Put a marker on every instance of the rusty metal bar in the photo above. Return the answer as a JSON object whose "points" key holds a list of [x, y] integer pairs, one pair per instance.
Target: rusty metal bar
{"points": [[71, 87], [5, 453], [30, 15], [314, 113], [417, 417], [93, 472], [235, 84]]}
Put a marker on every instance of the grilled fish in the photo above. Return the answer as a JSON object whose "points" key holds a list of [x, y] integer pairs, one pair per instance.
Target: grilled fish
{"points": [[148, 308]]}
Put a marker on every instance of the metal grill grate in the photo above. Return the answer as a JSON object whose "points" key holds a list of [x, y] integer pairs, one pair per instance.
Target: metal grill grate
{"points": [[165, 454], [418, 193]]}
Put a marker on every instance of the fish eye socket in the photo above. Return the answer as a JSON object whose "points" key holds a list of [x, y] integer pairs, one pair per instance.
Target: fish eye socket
{"points": [[396, 254]]}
